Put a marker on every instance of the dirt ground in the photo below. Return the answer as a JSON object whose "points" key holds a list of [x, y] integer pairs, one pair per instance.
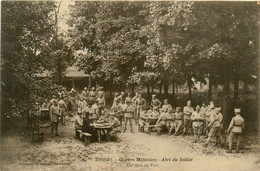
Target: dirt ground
{"points": [[156, 152]]}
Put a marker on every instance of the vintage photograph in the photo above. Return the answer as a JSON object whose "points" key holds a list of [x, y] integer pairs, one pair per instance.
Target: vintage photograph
{"points": [[129, 85]]}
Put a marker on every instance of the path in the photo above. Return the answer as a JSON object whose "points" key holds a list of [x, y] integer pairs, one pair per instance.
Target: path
{"points": [[67, 153]]}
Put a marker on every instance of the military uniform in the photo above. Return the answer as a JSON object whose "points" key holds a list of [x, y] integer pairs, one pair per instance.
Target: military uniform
{"points": [[187, 111], [197, 123], [54, 115], [161, 123], [235, 130], [166, 107], [140, 104], [92, 96], [143, 120], [116, 127], [128, 115], [156, 104], [63, 109]]}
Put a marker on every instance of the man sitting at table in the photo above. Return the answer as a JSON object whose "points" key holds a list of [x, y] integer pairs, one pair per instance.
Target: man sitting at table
{"points": [[78, 121], [178, 120], [116, 126], [143, 120], [87, 128], [170, 121]]}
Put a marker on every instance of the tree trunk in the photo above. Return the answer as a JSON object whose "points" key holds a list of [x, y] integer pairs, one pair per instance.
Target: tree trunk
{"points": [[148, 89], [190, 86], [210, 90], [235, 95], [227, 106], [160, 89], [165, 89], [133, 89], [173, 90], [152, 89], [177, 88]]}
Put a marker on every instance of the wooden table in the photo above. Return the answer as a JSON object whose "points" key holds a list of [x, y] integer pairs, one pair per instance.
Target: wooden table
{"points": [[99, 128]]}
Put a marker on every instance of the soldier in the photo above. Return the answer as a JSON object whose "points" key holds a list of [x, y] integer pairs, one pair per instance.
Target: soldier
{"points": [[121, 97], [153, 114], [101, 92], [63, 109], [116, 126], [143, 120], [78, 121], [155, 102], [128, 115], [187, 111], [178, 120], [128, 98], [116, 98], [235, 130], [118, 111], [92, 95], [197, 124], [54, 116], [161, 123], [214, 125], [140, 105], [101, 104], [209, 110], [34, 112], [170, 121], [85, 93], [166, 106], [135, 105]]}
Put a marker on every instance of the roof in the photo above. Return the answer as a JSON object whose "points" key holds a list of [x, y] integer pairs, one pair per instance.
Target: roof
{"points": [[71, 72]]}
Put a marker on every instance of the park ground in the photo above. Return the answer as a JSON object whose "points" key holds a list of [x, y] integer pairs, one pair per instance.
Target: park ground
{"points": [[67, 153]]}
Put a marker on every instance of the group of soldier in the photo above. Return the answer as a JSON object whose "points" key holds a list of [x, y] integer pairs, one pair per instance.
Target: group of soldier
{"points": [[204, 120]]}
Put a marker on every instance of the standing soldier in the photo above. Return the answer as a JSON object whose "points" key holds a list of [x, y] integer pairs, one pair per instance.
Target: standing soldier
{"points": [[85, 93], [92, 95], [128, 115], [63, 109], [214, 125], [101, 92], [118, 111], [121, 97], [134, 103], [209, 110], [166, 106], [235, 130], [197, 124], [116, 98], [178, 120], [187, 111], [140, 105], [54, 116], [101, 104], [128, 98], [155, 103], [33, 114]]}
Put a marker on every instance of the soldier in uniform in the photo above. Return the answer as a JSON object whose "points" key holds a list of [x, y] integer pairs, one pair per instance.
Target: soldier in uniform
{"points": [[214, 125], [128, 115], [92, 95], [187, 111], [116, 98], [135, 105], [166, 106], [128, 98], [197, 124], [155, 102], [85, 93], [78, 121], [54, 116], [140, 105], [101, 104], [161, 123], [121, 97], [210, 109], [101, 92], [116, 126], [118, 111], [178, 120], [235, 130], [170, 121], [63, 109], [143, 120], [33, 114]]}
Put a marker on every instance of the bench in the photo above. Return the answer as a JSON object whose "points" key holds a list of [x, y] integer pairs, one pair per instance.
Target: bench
{"points": [[86, 136]]}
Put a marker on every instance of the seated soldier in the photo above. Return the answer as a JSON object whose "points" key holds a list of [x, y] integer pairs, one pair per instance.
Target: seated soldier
{"points": [[235, 129], [178, 120], [103, 118], [170, 121], [155, 102], [197, 124], [166, 106], [153, 114], [116, 126], [78, 121], [94, 110], [143, 120], [161, 123], [87, 128]]}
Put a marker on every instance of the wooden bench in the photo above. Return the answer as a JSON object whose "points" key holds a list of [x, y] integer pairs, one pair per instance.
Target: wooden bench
{"points": [[86, 136]]}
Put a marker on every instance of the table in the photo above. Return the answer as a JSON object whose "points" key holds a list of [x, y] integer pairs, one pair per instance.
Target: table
{"points": [[99, 128]]}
